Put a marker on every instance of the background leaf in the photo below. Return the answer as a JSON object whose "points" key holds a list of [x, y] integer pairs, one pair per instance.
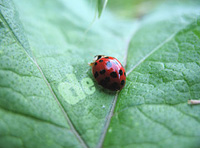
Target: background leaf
{"points": [[101, 6], [49, 98]]}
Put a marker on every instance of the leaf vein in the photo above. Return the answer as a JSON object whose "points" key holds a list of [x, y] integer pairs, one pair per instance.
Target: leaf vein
{"points": [[110, 114], [31, 117], [166, 127], [153, 51], [17, 73]]}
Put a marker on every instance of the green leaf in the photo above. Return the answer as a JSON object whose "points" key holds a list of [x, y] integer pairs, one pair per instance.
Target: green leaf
{"points": [[49, 98], [101, 6]]}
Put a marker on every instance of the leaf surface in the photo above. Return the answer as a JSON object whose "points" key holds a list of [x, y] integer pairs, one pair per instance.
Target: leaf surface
{"points": [[49, 98]]}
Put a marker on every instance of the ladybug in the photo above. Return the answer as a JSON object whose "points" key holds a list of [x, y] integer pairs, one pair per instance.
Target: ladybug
{"points": [[108, 72]]}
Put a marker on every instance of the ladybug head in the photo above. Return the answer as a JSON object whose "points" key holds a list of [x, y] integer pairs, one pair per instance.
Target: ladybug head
{"points": [[97, 57]]}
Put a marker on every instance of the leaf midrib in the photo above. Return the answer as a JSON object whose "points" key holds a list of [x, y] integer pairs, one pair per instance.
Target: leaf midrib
{"points": [[72, 128], [114, 101]]}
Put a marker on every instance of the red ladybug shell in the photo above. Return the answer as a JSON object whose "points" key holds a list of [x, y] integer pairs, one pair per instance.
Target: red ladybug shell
{"points": [[109, 73]]}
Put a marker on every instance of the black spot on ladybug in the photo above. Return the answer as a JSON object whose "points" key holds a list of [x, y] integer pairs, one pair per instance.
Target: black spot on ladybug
{"points": [[96, 74], [120, 72], [102, 71], [125, 74], [95, 63], [100, 60], [113, 74], [107, 79], [122, 82], [108, 64], [115, 86], [99, 57]]}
